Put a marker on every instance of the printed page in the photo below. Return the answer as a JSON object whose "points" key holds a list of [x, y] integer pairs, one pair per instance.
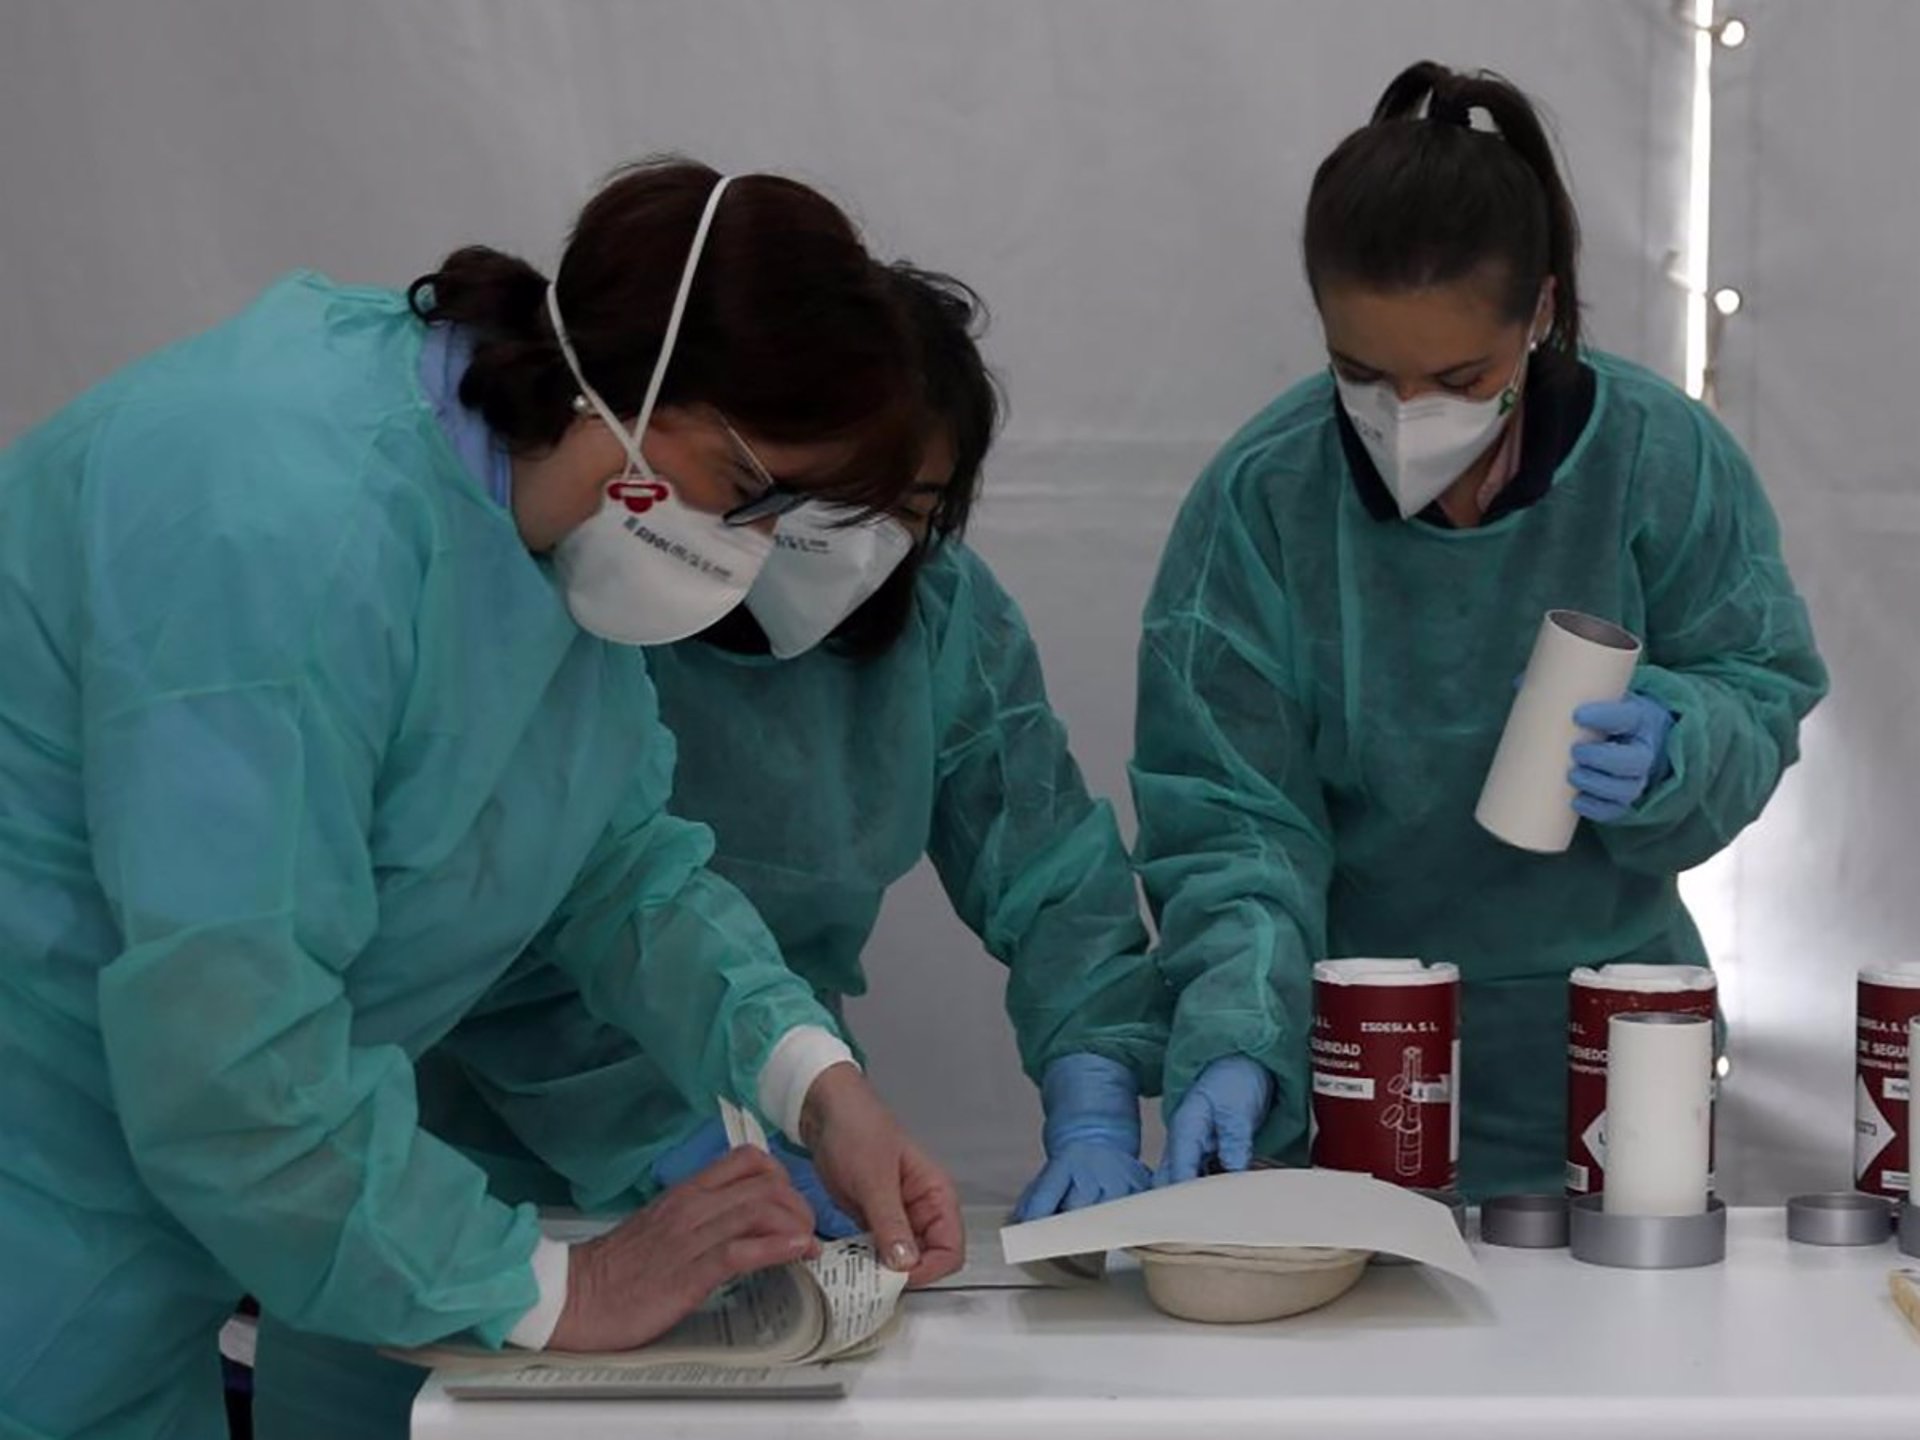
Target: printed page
{"points": [[860, 1295], [768, 1315]]}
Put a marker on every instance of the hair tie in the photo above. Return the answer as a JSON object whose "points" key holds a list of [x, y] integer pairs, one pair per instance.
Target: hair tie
{"points": [[1449, 110]]}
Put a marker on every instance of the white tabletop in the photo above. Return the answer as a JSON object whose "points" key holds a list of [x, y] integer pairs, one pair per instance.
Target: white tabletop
{"points": [[1780, 1341]]}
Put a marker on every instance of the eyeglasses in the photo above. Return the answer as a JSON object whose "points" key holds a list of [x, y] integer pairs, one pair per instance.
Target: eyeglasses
{"points": [[775, 499]]}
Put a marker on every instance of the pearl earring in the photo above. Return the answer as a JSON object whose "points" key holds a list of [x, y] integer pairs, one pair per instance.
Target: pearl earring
{"points": [[580, 405]]}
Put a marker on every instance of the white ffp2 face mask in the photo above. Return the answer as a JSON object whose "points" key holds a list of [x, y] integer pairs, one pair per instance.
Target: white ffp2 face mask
{"points": [[647, 568], [1421, 446], [822, 569]]}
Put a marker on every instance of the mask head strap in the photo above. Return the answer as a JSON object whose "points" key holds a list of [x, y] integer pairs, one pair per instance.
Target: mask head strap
{"points": [[630, 440]]}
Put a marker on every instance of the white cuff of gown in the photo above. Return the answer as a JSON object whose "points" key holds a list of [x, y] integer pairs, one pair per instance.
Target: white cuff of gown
{"points": [[796, 1062], [536, 1327]]}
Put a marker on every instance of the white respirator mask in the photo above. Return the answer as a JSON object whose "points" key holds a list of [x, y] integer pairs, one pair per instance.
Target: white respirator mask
{"points": [[827, 562], [1421, 446]]}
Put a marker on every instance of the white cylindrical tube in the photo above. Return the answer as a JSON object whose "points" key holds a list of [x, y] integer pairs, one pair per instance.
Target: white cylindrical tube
{"points": [[1577, 660], [1659, 1113], [1594, 997]]}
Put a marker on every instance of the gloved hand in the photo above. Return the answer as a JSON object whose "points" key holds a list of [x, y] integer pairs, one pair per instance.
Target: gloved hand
{"points": [[709, 1143], [1092, 1137], [1219, 1116], [1612, 774]]}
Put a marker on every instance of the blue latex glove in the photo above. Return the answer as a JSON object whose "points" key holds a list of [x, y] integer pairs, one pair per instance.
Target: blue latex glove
{"points": [[1219, 1117], [1612, 774], [1092, 1137], [709, 1143]]}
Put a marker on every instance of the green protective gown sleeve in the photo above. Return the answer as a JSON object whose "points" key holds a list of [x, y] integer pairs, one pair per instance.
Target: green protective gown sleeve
{"points": [[574, 1119], [1234, 846], [1033, 866], [667, 951], [1730, 652], [230, 795]]}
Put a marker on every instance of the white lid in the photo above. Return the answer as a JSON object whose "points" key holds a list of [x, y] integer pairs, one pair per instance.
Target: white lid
{"points": [[1386, 972], [1903, 974], [1646, 979]]}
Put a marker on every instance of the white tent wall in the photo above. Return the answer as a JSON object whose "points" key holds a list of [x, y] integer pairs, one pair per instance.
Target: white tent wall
{"points": [[1816, 204], [1122, 179]]}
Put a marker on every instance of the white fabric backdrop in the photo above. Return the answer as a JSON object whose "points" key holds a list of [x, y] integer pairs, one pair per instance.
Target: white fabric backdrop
{"points": [[1121, 178], [1817, 201]]}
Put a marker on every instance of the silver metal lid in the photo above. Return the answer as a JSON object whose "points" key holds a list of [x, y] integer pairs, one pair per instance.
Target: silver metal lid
{"points": [[1908, 1225], [1647, 1242], [1525, 1222], [1839, 1217]]}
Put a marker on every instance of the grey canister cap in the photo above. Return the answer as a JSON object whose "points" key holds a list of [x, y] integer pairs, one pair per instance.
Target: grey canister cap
{"points": [[1647, 1242], [1525, 1222], [1909, 1228], [1840, 1217]]}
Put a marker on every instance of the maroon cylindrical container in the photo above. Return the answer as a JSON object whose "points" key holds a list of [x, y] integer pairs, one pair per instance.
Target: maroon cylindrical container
{"points": [[1386, 1070], [1889, 1001]]}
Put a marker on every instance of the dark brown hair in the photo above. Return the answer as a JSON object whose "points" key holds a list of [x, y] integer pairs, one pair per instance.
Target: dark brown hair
{"points": [[1414, 200], [790, 331], [961, 402]]}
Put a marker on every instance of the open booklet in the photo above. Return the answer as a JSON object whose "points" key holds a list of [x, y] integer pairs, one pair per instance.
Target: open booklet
{"points": [[839, 1305], [835, 1307]]}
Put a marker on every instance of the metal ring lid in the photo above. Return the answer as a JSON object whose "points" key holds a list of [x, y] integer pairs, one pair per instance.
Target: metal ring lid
{"points": [[1647, 1242], [1840, 1217], [1525, 1222], [1907, 1225]]}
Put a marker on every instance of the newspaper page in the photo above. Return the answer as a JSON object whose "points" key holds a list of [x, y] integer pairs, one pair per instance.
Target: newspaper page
{"points": [[861, 1295]]}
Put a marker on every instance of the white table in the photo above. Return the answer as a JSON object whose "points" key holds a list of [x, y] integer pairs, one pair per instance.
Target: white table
{"points": [[1782, 1341]]}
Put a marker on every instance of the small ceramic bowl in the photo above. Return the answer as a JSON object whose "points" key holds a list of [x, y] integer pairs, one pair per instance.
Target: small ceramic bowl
{"points": [[1241, 1285]]}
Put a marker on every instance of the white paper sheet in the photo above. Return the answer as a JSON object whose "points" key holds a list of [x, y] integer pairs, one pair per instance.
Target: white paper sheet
{"points": [[1258, 1207], [741, 1127]]}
